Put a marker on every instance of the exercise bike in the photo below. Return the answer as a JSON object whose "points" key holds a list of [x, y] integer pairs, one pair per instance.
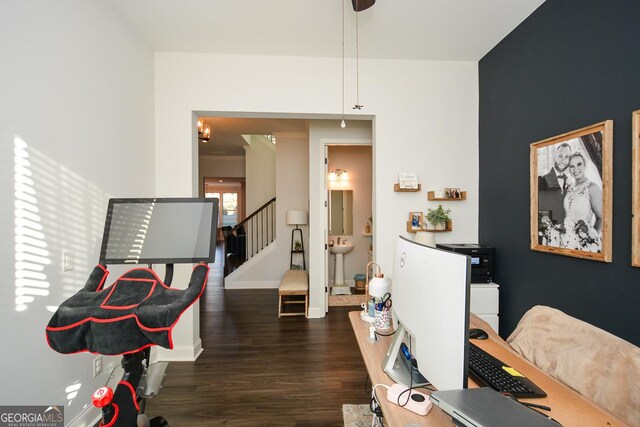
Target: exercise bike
{"points": [[138, 310]]}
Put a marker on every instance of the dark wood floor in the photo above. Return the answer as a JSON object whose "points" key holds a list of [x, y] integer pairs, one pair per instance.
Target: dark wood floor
{"points": [[258, 370]]}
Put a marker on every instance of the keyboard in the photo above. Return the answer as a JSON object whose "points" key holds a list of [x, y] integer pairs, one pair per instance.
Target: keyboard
{"points": [[487, 370]]}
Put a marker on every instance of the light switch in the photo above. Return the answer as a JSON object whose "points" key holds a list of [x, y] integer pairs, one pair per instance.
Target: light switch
{"points": [[67, 260]]}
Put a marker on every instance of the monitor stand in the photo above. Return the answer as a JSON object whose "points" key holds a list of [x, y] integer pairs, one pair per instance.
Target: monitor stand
{"points": [[399, 368]]}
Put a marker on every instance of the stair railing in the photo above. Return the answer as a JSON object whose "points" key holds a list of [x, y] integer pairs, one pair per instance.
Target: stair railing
{"points": [[250, 236]]}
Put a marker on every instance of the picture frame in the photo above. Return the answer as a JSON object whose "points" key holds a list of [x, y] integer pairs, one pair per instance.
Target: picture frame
{"points": [[416, 221], [571, 193], [452, 193], [408, 181], [635, 198]]}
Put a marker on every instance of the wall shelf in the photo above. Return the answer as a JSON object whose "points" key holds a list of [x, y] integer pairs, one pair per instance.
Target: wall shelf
{"points": [[431, 195], [448, 227], [397, 189]]}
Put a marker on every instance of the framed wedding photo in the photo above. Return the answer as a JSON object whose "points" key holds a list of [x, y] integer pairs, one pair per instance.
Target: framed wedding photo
{"points": [[571, 183], [415, 221], [635, 202]]}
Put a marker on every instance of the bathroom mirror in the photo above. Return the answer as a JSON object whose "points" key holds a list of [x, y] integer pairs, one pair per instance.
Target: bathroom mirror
{"points": [[341, 212]]}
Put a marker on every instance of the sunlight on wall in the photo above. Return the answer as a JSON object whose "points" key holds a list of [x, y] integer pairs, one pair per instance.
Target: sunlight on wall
{"points": [[140, 220], [56, 210], [134, 254], [126, 237], [72, 391], [31, 254]]}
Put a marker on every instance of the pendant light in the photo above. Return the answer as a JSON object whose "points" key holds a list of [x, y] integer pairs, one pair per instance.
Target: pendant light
{"points": [[358, 106], [343, 124]]}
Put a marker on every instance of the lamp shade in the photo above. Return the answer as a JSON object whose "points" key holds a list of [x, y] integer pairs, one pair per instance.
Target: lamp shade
{"points": [[378, 286], [296, 217]]}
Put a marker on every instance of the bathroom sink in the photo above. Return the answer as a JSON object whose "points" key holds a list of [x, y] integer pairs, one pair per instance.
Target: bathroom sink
{"points": [[341, 249]]}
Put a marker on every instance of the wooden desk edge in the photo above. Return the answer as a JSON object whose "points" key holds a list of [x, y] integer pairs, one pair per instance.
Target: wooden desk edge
{"points": [[373, 355], [568, 407]]}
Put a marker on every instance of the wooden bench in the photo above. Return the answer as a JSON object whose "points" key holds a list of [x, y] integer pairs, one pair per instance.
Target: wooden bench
{"points": [[294, 285]]}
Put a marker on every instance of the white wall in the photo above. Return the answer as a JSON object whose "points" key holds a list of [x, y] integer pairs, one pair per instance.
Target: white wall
{"points": [[426, 121], [220, 167], [260, 171], [292, 189], [292, 192], [76, 128]]}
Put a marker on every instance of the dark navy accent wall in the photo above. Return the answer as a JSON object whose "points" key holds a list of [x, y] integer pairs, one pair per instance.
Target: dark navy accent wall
{"points": [[572, 63]]}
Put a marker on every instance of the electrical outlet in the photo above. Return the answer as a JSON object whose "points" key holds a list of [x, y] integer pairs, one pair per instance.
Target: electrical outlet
{"points": [[67, 260], [97, 365]]}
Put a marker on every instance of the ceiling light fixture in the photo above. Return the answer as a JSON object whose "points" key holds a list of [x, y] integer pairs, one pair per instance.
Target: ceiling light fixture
{"points": [[204, 131], [358, 6]]}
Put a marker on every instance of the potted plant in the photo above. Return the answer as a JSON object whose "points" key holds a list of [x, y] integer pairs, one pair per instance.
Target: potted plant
{"points": [[297, 246], [438, 217]]}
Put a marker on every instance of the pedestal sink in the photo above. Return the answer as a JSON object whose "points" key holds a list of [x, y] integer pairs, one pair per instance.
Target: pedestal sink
{"points": [[339, 287]]}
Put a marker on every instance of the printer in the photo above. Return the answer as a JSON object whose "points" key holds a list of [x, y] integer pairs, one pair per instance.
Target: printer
{"points": [[482, 259]]}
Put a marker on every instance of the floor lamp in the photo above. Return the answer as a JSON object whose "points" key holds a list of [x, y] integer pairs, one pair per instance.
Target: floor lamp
{"points": [[297, 218]]}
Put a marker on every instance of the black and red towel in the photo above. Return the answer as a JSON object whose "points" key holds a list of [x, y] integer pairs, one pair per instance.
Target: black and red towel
{"points": [[137, 311]]}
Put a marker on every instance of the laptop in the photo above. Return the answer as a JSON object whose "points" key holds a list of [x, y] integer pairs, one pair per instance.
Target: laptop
{"points": [[485, 407]]}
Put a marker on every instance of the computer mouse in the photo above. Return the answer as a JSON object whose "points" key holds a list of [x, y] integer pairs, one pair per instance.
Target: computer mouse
{"points": [[478, 334]]}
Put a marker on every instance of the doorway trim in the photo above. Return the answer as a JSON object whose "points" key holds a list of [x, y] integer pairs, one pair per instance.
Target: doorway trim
{"points": [[317, 235]]}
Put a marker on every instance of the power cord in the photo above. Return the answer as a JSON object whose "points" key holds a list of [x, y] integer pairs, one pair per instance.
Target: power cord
{"points": [[374, 406], [384, 335], [427, 386], [408, 390]]}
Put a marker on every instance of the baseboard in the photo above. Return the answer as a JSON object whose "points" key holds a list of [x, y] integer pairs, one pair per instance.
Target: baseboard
{"points": [[182, 353], [316, 313], [197, 349], [274, 284], [89, 417]]}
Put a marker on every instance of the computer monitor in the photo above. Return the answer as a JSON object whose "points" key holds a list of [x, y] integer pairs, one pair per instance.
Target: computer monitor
{"points": [[160, 231], [430, 293]]}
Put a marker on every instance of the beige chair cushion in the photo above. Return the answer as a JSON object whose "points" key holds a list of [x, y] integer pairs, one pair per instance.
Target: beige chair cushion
{"points": [[295, 281], [595, 363]]}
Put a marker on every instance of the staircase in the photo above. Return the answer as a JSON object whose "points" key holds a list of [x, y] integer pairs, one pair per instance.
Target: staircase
{"points": [[251, 235]]}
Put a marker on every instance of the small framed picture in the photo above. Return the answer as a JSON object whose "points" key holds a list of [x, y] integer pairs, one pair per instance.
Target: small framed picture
{"points": [[416, 220], [452, 193]]}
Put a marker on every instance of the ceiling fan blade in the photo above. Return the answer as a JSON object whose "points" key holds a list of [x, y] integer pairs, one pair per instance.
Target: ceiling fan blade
{"points": [[360, 5]]}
